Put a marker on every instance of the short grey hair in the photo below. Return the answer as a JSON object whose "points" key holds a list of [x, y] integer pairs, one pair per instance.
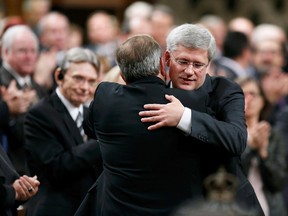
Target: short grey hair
{"points": [[78, 55], [139, 57], [10, 33], [191, 36]]}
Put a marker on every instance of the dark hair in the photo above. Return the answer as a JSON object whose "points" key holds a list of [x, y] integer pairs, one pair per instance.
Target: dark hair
{"points": [[266, 110], [234, 44]]}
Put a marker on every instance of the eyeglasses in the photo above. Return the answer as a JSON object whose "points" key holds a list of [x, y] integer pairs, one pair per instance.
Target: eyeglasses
{"points": [[196, 66], [81, 80]]}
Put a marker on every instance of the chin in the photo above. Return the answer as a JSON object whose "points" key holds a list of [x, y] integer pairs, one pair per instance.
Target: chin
{"points": [[187, 87]]}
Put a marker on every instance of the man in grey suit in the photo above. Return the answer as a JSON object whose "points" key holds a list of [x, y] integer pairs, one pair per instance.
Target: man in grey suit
{"points": [[58, 153]]}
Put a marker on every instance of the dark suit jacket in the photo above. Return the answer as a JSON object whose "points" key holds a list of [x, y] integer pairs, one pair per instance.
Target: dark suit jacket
{"points": [[221, 136], [8, 174], [223, 114], [14, 131], [145, 172], [65, 165]]}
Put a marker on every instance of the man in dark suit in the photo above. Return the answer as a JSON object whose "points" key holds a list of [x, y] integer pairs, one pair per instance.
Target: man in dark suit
{"points": [[145, 173], [57, 153], [219, 135], [19, 53]]}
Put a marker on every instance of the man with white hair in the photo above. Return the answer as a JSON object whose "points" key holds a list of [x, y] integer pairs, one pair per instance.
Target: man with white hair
{"points": [[19, 55]]}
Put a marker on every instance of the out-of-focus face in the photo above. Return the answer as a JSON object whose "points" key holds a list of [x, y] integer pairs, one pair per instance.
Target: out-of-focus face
{"points": [[101, 29], [78, 83], [253, 99], [268, 54], [161, 24], [182, 73], [22, 56], [56, 33]]}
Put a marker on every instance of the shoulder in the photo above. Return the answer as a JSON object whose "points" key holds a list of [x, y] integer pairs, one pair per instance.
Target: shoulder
{"points": [[105, 84], [5, 76], [42, 106], [222, 84]]}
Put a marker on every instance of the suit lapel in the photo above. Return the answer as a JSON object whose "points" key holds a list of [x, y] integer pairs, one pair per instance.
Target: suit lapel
{"points": [[67, 120]]}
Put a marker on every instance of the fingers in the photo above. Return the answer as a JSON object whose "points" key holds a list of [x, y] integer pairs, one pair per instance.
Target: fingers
{"points": [[12, 86], [156, 126], [21, 193], [27, 184], [171, 98]]}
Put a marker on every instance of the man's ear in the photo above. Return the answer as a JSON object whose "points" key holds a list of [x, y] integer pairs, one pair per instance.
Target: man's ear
{"points": [[162, 68], [167, 58], [58, 76]]}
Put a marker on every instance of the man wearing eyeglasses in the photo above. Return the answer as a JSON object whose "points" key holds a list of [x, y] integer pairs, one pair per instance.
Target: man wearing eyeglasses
{"points": [[219, 134], [65, 163]]}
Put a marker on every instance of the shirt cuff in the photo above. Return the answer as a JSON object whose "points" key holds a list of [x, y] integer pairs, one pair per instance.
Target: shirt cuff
{"points": [[185, 123]]}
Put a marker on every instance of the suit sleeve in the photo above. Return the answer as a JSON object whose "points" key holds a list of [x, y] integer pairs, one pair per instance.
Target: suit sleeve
{"points": [[224, 125], [88, 123]]}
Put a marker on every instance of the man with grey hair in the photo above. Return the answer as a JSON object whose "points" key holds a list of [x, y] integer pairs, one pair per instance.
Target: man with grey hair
{"points": [[145, 172], [219, 135], [65, 162], [19, 54]]}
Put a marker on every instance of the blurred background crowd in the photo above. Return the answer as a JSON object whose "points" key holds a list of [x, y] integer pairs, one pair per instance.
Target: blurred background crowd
{"points": [[252, 50]]}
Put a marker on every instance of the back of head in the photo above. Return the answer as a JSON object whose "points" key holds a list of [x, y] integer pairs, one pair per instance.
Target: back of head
{"points": [[191, 36], [234, 44], [139, 57]]}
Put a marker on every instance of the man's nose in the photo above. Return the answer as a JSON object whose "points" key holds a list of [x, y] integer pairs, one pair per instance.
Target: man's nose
{"points": [[189, 70]]}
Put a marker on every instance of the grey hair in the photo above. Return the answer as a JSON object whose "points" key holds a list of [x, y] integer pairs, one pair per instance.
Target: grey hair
{"points": [[10, 33], [191, 36], [139, 57], [78, 55]]}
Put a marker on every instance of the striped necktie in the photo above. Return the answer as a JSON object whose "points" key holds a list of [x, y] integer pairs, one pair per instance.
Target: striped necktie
{"points": [[79, 121]]}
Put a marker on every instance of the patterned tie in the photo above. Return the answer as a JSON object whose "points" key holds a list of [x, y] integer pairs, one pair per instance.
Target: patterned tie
{"points": [[79, 121]]}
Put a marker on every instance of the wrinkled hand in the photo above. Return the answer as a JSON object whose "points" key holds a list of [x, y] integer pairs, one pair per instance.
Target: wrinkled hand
{"points": [[14, 99], [25, 187], [163, 114]]}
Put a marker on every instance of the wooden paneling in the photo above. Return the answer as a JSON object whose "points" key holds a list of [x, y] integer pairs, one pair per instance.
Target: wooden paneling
{"points": [[94, 3], [13, 7]]}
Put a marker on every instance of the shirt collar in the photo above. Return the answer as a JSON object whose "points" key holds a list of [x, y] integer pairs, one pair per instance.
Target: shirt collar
{"points": [[70, 107], [20, 79]]}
